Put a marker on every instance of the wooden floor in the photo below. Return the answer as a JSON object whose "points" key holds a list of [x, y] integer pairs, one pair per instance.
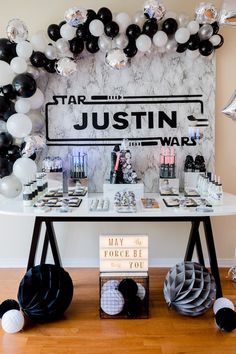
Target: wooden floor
{"points": [[83, 332]]}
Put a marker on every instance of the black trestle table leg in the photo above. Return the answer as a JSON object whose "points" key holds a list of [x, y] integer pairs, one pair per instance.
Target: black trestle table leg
{"points": [[192, 240], [34, 242], [53, 242]]}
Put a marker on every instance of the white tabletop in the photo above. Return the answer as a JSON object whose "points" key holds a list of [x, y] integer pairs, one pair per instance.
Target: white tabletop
{"points": [[15, 207]]}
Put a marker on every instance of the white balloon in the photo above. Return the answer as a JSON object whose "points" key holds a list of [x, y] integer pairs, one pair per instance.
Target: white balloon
{"points": [[121, 41], [6, 73], [160, 39], [62, 45], [18, 65], [139, 18], [24, 49], [67, 32], [36, 101], [143, 43], [24, 168], [22, 106], [39, 42], [182, 35], [215, 40], [193, 27], [50, 52], [19, 125], [96, 28], [37, 121], [183, 20], [123, 21], [193, 54], [222, 302], [104, 43], [13, 321], [10, 186]]}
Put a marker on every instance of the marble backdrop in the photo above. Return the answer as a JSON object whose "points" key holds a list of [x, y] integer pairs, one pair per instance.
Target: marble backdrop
{"points": [[148, 75]]}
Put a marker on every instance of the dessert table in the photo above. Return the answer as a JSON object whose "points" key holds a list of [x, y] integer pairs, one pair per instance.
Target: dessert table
{"points": [[163, 214]]}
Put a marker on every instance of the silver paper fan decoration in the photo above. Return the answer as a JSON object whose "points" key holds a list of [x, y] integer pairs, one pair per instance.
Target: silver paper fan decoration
{"points": [[189, 289]]}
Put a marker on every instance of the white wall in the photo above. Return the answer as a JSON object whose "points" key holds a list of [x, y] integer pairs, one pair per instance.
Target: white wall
{"points": [[79, 243]]}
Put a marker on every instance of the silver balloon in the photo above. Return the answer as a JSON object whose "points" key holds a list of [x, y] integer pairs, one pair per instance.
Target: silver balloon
{"points": [[227, 14], [33, 143], [206, 12], [205, 32], [230, 109], [154, 9], [65, 66], [104, 43], [76, 16], [33, 71], [50, 52], [121, 41], [116, 59], [10, 186], [16, 30], [62, 45]]}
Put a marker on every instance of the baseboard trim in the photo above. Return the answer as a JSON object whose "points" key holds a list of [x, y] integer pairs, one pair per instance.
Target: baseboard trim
{"points": [[94, 263]]}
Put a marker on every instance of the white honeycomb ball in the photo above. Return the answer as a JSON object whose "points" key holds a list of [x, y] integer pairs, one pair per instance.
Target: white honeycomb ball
{"points": [[13, 321]]}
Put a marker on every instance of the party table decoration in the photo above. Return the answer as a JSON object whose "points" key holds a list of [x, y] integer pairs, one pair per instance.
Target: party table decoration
{"points": [[24, 57]]}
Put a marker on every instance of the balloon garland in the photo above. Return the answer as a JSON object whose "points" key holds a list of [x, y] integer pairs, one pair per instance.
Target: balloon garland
{"points": [[120, 38]]}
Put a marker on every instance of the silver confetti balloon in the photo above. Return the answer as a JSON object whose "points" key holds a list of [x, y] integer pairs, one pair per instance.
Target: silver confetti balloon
{"points": [[154, 9], [65, 66], [116, 59], [230, 109], [76, 16], [227, 13], [16, 30], [206, 12], [33, 143]]}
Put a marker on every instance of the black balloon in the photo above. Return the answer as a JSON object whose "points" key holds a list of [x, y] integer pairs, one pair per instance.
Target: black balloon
{"points": [[13, 152], [24, 85], [91, 15], [5, 167], [45, 292], [133, 31], [111, 29], [9, 92], [226, 319], [215, 27], [7, 50], [92, 45], [38, 59], [221, 42], [170, 26], [50, 66], [193, 42], [128, 288], [105, 15], [206, 48], [131, 50], [6, 140], [7, 305], [76, 45], [181, 48], [150, 27], [54, 32], [9, 112], [4, 104], [83, 32]]}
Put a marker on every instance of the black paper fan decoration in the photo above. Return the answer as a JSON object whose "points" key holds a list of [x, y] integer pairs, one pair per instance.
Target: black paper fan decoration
{"points": [[45, 292], [189, 289]]}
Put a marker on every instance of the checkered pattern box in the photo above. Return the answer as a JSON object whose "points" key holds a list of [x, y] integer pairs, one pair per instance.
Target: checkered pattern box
{"points": [[124, 295]]}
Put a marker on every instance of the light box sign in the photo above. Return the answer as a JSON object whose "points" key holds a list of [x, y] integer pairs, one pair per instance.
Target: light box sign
{"points": [[122, 253]]}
